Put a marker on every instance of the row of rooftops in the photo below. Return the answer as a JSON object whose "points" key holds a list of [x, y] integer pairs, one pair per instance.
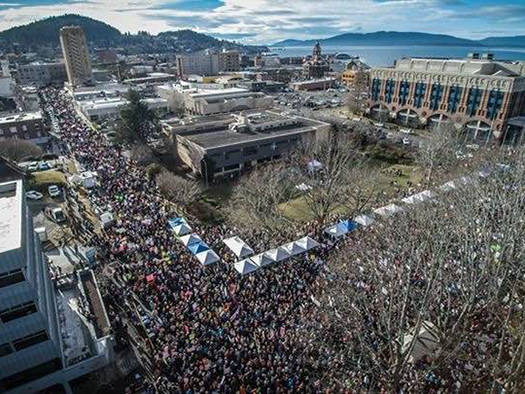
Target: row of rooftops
{"points": [[20, 117]]}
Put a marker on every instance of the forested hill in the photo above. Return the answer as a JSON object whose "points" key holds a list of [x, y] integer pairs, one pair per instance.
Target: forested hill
{"points": [[47, 31]]}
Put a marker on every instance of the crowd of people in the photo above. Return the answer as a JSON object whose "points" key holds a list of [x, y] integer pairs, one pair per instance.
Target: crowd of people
{"points": [[205, 328]]}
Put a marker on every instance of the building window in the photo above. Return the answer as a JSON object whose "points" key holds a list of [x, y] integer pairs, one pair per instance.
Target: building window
{"points": [[454, 98], [403, 92], [5, 349], [232, 167], [11, 278], [30, 340], [13, 129], [419, 94], [474, 100], [376, 88], [249, 151], [494, 104], [17, 312], [30, 374], [436, 96], [389, 91]]}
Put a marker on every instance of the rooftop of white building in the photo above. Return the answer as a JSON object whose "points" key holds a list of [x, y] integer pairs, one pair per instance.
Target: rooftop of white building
{"points": [[11, 194], [20, 117]]}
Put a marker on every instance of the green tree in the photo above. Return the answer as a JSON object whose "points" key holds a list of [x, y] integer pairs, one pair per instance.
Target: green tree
{"points": [[137, 121]]}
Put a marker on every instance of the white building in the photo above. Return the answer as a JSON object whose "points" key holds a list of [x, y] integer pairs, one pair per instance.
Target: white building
{"points": [[207, 63], [104, 108], [46, 339], [196, 101]]}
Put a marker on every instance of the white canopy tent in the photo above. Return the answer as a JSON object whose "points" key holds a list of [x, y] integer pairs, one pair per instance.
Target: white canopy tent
{"points": [[246, 266], [278, 254], [182, 229], [207, 257], [419, 197], [314, 165], [262, 260], [238, 247], [307, 243], [448, 186], [388, 210], [337, 230], [189, 239], [293, 249], [364, 220]]}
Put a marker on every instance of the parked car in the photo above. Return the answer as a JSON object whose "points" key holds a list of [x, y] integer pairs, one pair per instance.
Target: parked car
{"points": [[55, 214], [406, 141], [34, 195], [33, 166], [44, 166], [406, 131], [53, 190]]}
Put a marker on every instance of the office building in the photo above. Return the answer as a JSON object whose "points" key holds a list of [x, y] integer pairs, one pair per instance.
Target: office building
{"points": [[221, 145], [478, 94], [197, 101], [76, 55], [24, 126], [45, 337], [41, 74], [353, 68], [207, 63]]}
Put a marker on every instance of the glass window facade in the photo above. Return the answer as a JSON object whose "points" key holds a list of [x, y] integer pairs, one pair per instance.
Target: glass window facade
{"points": [[436, 96], [404, 92], [454, 98], [494, 104], [376, 88], [389, 91], [474, 100], [419, 94]]}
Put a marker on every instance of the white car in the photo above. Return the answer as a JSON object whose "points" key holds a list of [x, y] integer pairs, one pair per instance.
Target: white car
{"points": [[406, 141], [53, 190], [406, 131], [34, 195], [33, 166]]}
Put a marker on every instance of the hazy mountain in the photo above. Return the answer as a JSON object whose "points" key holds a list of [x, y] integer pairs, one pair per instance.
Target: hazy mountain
{"points": [[405, 39], [513, 41]]}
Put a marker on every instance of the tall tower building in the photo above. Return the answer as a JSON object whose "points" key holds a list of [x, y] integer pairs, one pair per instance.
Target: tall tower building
{"points": [[76, 55]]}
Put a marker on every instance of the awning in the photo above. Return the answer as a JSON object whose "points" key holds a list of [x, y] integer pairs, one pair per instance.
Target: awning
{"points": [[293, 249], [198, 247], [207, 257], [246, 266], [337, 230], [238, 247], [278, 254], [364, 220], [182, 229], [262, 260], [350, 225], [419, 197], [388, 210], [307, 243], [190, 239], [176, 222]]}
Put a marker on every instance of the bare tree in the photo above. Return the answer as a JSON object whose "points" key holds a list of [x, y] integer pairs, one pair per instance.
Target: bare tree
{"points": [[142, 154], [16, 150], [356, 100], [257, 199], [432, 298], [179, 190], [440, 152]]}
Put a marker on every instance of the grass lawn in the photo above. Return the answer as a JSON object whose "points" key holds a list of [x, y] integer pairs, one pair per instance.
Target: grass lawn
{"points": [[44, 178], [298, 210]]}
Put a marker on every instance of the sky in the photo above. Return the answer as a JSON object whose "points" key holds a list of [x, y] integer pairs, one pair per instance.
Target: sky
{"points": [[268, 21]]}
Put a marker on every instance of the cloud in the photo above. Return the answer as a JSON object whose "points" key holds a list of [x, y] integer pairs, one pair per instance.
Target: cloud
{"points": [[267, 21]]}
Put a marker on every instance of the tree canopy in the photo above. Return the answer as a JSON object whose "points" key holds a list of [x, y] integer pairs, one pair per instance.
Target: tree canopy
{"points": [[136, 121]]}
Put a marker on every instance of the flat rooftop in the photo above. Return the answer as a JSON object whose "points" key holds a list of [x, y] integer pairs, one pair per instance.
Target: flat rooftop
{"points": [[10, 215], [221, 136], [21, 117]]}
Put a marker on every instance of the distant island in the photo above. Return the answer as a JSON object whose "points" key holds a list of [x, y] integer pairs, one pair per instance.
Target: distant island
{"points": [[392, 38], [45, 33]]}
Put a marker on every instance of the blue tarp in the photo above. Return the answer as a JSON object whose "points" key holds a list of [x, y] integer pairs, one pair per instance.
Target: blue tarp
{"points": [[350, 225], [176, 222], [198, 247]]}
